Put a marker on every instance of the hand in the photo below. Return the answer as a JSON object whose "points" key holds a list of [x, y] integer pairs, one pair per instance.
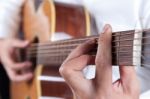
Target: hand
{"points": [[7, 53], [127, 87]]}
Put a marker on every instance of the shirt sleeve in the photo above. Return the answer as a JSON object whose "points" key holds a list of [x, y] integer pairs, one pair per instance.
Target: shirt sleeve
{"points": [[144, 13], [10, 17], [78, 2], [144, 72]]}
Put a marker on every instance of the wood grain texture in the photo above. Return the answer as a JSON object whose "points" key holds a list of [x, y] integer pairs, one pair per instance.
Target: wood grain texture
{"points": [[39, 27]]}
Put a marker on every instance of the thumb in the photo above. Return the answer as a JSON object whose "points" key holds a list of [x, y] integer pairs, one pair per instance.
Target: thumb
{"points": [[19, 43]]}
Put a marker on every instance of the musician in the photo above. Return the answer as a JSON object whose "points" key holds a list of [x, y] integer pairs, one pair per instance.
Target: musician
{"points": [[127, 87]]}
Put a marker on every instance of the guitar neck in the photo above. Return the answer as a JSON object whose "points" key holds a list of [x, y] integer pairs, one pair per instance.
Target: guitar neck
{"points": [[54, 53]]}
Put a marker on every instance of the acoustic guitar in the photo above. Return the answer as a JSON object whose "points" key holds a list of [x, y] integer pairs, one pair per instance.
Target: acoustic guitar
{"points": [[42, 20], [128, 47]]}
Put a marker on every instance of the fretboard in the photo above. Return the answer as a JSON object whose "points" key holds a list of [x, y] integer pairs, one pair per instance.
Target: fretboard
{"points": [[54, 53]]}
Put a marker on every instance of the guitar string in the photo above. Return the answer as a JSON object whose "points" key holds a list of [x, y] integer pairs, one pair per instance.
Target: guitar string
{"points": [[70, 47], [65, 54], [114, 41], [120, 34], [75, 44], [117, 41], [60, 58], [60, 53], [47, 52], [84, 38]]}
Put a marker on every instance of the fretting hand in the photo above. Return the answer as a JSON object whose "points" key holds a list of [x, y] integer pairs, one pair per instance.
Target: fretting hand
{"points": [[127, 87]]}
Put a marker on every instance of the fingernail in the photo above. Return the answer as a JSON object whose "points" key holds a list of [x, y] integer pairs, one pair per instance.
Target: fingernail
{"points": [[106, 27]]}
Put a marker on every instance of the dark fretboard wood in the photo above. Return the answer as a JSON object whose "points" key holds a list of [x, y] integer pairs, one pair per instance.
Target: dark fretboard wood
{"points": [[54, 53]]}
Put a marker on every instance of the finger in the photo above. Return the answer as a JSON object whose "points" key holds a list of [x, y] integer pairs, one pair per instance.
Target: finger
{"points": [[129, 78], [19, 43], [127, 72], [103, 59], [8, 62], [73, 75], [18, 77], [21, 66], [75, 65], [23, 77], [82, 49]]}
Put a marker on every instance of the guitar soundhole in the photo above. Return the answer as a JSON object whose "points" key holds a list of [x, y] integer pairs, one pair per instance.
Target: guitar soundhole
{"points": [[34, 59], [25, 56]]}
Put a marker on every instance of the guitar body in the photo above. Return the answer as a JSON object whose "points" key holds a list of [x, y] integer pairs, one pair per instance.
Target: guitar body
{"points": [[41, 22]]}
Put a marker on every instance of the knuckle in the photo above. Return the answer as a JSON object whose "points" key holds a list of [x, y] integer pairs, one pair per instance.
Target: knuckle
{"points": [[12, 77], [64, 71], [98, 61], [22, 65], [61, 70]]}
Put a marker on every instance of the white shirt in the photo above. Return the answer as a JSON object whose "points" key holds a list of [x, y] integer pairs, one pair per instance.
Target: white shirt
{"points": [[9, 17], [120, 14]]}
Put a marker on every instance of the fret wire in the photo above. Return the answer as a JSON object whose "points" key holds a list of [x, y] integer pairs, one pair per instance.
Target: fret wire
{"points": [[119, 50]]}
